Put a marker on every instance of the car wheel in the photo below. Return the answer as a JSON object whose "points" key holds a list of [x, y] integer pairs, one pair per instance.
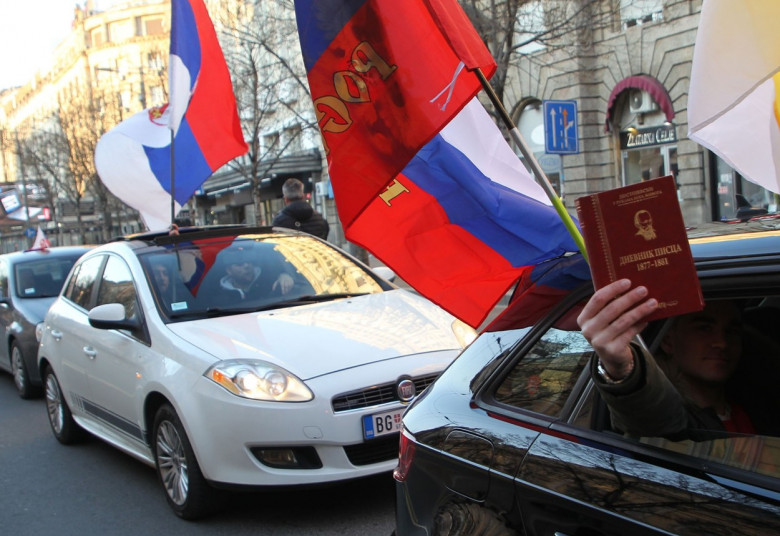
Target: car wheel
{"points": [[21, 377], [65, 429], [461, 519], [186, 490]]}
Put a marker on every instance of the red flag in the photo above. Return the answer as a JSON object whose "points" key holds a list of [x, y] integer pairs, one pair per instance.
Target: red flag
{"points": [[421, 176]]}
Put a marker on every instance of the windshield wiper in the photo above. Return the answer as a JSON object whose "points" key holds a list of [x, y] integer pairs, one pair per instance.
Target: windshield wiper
{"points": [[300, 300], [212, 312], [310, 298]]}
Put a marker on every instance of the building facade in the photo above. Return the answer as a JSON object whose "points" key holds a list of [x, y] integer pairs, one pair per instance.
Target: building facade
{"points": [[626, 66], [598, 89]]}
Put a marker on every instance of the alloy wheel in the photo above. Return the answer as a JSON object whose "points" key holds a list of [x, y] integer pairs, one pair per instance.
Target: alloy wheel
{"points": [[54, 404], [172, 462], [17, 367]]}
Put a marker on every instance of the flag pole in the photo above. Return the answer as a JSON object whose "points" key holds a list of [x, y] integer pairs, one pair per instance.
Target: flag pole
{"points": [[536, 169], [173, 182]]}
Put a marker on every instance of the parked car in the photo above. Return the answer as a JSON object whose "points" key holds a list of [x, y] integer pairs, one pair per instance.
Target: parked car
{"points": [[29, 283], [299, 379], [513, 438]]}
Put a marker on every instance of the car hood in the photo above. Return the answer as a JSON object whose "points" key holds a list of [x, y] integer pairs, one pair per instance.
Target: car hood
{"points": [[317, 339], [33, 309]]}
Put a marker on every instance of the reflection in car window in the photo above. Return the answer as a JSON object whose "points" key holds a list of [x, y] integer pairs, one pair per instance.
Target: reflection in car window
{"points": [[195, 274], [42, 278], [116, 286], [542, 381], [80, 289]]}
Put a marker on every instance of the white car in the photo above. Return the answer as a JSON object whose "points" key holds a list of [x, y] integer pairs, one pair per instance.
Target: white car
{"points": [[297, 374]]}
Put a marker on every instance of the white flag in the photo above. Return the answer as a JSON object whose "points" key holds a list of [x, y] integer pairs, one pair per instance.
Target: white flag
{"points": [[732, 101], [41, 242]]}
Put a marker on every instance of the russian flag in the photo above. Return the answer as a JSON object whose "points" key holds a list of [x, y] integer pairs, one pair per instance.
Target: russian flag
{"points": [[134, 159], [422, 177]]}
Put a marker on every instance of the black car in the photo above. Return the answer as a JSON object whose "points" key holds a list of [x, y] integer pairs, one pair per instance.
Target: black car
{"points": [[514, 438], [29, 283]]}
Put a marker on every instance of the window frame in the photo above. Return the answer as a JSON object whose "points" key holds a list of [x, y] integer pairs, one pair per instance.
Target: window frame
{"points": [[568, 426]]}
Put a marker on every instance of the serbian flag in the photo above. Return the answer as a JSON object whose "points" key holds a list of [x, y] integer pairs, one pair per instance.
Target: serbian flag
{"points": [[134, 159], [734, 98], [421, 175]]}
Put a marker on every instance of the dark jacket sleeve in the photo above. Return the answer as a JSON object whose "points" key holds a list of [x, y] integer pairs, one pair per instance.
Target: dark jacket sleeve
{"points": [[645, 403]]}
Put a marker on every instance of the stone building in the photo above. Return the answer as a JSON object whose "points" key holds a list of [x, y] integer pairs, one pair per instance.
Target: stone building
{"points": [[626, 65]]}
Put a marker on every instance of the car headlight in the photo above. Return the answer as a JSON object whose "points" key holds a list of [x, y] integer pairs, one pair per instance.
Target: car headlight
{"points": [[259, 380], [463, 332]]}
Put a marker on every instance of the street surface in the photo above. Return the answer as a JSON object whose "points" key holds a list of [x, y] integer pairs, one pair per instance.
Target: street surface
{"points": [[92, 488]]}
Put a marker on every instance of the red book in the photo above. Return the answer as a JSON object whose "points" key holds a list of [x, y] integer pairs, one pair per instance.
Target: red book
{"points": [[637, 232]]}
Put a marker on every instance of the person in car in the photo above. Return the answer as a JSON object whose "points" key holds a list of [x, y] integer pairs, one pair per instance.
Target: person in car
{"points": [[699, 354], [247, 276]]}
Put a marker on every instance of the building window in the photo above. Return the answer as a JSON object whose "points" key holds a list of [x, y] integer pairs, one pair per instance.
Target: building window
{"points": [[97, 37], [292, 138], [271, 143], [636, 12], [153, 26]]}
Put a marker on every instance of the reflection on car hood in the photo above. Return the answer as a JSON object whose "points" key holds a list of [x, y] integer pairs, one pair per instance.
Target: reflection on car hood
{"points": [[33, 309], [312, 340]]}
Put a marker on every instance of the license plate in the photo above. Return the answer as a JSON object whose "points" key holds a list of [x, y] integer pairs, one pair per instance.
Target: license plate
{"points": [[380, 424]]}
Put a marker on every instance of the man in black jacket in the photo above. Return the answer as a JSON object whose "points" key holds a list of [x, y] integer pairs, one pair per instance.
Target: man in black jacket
{"points": [[298, 214]]}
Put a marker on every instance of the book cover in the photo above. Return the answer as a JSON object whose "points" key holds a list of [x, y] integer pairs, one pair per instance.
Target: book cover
{"points": [[637, 232]]}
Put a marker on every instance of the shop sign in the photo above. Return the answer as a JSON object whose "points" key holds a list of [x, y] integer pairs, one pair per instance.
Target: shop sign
{"points": [[648, 136]]}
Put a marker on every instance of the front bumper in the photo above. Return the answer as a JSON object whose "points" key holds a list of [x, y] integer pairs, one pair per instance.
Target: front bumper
{"points": [[227, 431]]}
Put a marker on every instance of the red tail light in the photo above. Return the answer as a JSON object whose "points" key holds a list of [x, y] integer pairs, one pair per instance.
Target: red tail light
{"points": [[406, 448]]}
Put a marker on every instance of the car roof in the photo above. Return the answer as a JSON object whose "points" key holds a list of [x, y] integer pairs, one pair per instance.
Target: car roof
{"points": [[57, 251], [141, 242], [753, 242]]}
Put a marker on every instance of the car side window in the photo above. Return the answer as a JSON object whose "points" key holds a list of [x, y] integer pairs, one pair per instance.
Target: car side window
{"points": [[116, 286], [543, 380], [83, 282]]}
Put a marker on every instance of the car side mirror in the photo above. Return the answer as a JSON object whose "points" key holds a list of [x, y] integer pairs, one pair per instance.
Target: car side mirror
{"points": [[385, 273], [112, 316]]}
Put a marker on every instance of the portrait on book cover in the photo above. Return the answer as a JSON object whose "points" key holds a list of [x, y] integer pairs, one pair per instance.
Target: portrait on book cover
{"points": [[643, 221]]}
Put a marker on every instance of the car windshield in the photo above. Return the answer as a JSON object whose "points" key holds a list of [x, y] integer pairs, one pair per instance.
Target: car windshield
{"points": [[223, 276], [42, 278]]}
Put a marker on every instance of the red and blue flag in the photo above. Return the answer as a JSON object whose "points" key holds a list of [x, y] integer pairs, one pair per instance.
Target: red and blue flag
{"points": [[421, 175], [134, 158]]}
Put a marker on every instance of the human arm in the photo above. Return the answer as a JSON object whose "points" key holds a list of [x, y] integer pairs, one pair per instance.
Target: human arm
{"points": [[283, 283], [641, 399], [613, 316]]}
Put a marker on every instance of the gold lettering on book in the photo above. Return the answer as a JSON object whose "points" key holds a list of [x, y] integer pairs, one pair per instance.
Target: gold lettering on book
{"points": [[393, 190], [651, 258]]}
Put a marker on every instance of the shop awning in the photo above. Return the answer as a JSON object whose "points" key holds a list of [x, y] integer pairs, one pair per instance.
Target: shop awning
{"points": [[646, 83]]}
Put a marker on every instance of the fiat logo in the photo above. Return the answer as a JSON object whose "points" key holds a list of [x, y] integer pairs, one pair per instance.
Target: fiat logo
{"points": [[406, 390]]}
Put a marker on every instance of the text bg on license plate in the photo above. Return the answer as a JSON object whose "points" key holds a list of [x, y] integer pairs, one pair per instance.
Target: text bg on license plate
{"points": [[380, 424]]}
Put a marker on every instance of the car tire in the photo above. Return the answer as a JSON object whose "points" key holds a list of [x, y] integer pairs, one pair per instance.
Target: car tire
{"points": [[65, 429], [462, 519], [186, 490], [21, 375]]}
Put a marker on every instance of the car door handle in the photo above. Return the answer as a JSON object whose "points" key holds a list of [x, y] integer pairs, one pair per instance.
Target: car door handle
{"points": [[90, 352], [56, 335]]}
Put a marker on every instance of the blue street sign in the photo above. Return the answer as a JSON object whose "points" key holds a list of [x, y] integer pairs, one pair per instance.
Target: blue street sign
{"points": [[30, 232], [560, 127]]}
